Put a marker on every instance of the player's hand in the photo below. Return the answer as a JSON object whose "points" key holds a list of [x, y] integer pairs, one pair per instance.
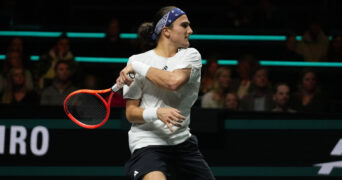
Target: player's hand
{"points": [[170, 116], [124, 77]]}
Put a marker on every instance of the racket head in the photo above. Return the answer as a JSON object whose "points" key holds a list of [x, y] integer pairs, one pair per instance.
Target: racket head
{"points": [[87, 108]]}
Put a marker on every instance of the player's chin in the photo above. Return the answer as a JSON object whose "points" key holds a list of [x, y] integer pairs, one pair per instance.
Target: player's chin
{"points": [[186, 44]]}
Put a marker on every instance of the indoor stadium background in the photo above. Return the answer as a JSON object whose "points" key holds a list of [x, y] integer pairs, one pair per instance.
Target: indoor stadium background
{"points": [[40, 141]]}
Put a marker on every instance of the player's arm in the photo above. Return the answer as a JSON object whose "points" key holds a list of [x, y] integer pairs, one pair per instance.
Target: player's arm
{"points": [[169, 80], [138, 115]]}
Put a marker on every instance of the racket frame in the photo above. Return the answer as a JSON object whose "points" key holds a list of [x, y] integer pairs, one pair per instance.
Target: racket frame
{"points": [[97, 94]]}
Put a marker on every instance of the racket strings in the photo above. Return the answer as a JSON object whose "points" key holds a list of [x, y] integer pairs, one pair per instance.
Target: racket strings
{"points": [[86, 108]]}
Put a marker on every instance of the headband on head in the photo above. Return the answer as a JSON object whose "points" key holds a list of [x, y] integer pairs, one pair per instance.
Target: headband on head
{"points": [[166, 20]]}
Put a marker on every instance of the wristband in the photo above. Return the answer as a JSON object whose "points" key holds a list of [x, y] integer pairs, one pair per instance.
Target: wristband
{"points": [[150, 114], [140, 68]]}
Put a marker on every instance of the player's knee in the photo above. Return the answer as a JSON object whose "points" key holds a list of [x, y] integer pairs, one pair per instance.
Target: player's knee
{"points": [[155, 175]]}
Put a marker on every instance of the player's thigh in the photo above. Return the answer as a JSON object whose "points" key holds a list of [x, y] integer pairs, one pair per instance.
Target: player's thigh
{"points": [[155, 175]]}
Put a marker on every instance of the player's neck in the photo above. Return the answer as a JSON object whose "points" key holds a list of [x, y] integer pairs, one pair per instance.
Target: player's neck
{"points": [[165, 49]]}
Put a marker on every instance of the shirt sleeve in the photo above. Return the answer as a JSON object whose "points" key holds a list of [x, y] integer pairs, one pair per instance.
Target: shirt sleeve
{"points": [[190, 58], [134, 91]]}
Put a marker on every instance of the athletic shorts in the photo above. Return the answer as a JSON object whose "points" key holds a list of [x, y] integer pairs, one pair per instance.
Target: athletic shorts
{"points": [[182, 161]]}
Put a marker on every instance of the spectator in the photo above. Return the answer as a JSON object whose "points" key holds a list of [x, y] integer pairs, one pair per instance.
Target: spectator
{"points": [[335, 49], [16, 44], [309, 97], [231, 101], [281, 98], [14, 60], [314, 43], [242, 83], [113, 45], [61, 87], [90, 81], [221, 85], [208, 75], [259, 97], [45, 70], [239, 14], [289, 52], [16, 91]]}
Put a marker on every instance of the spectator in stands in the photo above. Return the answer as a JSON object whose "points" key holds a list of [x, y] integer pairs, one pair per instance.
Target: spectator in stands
{"points": [[241, 84], [45, 70], [259, 97], [90, 81], [309, 97], [61, 87], [267, 15], [113, 45], [289, 52], [221, 85], [14, 60], [281, 98], [314, 44], [16, 91], [335, 49], [231, 102], [16, 44], [239, 14], [208, 76]]}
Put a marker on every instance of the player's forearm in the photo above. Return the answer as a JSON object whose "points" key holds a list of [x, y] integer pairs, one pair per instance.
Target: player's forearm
{"points": [[169, 80], [135, 114]]}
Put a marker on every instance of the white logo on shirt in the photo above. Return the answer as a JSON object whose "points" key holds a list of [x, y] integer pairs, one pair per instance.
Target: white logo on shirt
{"points": [[135, 173]]}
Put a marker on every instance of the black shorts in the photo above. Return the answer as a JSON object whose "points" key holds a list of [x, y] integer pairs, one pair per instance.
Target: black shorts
{"points": [[182, 161]]}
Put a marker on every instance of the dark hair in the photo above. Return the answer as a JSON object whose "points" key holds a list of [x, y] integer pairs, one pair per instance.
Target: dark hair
{"points": [[146, 32], [275, 88]]}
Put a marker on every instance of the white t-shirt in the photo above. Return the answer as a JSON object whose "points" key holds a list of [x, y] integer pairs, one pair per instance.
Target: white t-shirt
{"points": [[157, 132]]}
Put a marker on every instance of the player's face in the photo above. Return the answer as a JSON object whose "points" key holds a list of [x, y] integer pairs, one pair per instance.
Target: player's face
{"points": [[180, 32]]}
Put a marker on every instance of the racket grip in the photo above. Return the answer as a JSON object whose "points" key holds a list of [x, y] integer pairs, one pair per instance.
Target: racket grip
{"points": [[115, 88]]}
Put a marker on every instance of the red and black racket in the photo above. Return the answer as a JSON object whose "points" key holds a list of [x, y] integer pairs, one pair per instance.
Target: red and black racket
{"points": [[89, 108]]}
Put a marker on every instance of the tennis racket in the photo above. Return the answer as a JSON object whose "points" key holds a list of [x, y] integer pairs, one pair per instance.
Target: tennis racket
{"points": [[89, 108]]}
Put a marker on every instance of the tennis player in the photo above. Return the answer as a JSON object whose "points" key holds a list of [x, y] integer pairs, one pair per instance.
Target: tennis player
{"points": [[159, 99]]}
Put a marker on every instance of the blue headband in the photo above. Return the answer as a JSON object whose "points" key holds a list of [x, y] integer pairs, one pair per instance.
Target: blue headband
{"points": [[166, 20]]}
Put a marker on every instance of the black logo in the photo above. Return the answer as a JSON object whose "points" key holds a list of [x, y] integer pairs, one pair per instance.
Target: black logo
{"points": [[165, 68]]}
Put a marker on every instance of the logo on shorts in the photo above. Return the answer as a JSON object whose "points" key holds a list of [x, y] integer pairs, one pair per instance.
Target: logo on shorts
{"points": [[135, 173], [165, 68]]}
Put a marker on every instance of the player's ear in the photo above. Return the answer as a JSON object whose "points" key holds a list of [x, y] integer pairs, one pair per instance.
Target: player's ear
{"points": [[166, 32]]}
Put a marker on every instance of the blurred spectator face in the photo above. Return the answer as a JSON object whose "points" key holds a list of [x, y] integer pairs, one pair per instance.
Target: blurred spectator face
{"points": [[260, 78], [315, 30], [224, 78], [231, 101], [18, 77], [16, 45], [309, 81], [282, 96], [337, 43], [63, 72], [291, 42], [90, 82], [113, 28], [244, 67], [63, 45], [14, 58], [212, 67]]}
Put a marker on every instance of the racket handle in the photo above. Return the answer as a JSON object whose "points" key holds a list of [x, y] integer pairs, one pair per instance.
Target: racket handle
{"points": [[115, 88]]}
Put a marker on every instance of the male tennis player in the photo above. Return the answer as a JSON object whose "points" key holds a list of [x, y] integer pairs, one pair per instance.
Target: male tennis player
{"points": [[159, 100]]}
